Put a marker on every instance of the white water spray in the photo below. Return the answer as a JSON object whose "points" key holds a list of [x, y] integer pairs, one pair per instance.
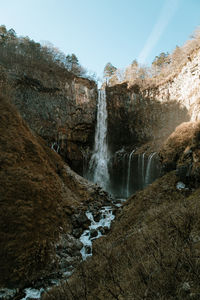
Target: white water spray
{"points": [[98, 165]]}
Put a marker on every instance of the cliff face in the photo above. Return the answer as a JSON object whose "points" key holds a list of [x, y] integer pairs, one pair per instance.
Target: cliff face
{"points": [[134, 118], [137, 115], [61, 109], [183, 88]]}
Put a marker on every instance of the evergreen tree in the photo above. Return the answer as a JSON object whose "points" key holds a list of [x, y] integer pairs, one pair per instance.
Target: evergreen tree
{"points": [[109, 70]]}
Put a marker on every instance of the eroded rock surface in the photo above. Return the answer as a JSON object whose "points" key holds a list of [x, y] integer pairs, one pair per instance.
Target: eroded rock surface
{"points": [[61, 108]]}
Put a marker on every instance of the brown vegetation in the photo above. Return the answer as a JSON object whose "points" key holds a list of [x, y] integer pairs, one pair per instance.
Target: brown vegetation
{"points": [[164, 67], [27, 57], [152, 251], [38, 195], [181, 152]]}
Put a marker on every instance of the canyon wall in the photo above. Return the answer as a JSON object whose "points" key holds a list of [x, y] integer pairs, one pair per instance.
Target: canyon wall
{"points": [[136, 115], [141, 119], [61, 108]]}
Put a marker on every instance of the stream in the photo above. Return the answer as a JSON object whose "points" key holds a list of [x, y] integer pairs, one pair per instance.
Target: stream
{"points": [[98, 227]]}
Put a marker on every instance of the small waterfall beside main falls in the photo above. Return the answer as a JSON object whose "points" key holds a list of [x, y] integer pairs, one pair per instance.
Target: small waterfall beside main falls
{"points": [[98, 165], [132, 171]]}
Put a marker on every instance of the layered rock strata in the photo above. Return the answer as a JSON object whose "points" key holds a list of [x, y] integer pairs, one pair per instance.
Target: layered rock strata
{"points": [[61, 108]]}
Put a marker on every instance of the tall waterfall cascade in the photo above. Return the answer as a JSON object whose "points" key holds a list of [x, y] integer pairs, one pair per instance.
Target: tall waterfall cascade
{"points": [[98, 165]]}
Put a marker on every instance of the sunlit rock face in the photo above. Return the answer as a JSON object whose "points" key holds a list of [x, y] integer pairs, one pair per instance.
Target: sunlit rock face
{"points": [[184, 88], [181, 152], [61, 108]]}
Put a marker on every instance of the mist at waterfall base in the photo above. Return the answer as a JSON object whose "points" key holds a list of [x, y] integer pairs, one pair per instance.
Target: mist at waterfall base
{"points": [[122, 173]]}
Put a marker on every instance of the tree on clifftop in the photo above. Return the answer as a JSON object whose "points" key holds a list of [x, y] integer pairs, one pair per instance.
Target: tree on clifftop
{"points": [[161, 60], [109, 70], [73, 65]]}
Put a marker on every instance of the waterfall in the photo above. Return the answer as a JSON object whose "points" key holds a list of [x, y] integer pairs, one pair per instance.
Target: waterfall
{"points": [[128, 174], [124, 172], [141, 170], [143, 157], [98, 165], [148, 170]]}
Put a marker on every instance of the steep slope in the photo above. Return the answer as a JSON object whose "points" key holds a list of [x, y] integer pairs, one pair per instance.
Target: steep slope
{"points": [[152, 251], [38, 196]]}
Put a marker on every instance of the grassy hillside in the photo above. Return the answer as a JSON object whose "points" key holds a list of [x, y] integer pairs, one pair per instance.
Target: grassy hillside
{"points": [[153, 249], [38, 196]]}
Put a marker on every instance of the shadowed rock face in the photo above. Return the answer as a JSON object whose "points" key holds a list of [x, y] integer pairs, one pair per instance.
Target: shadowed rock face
{"points": [[59, 108], [134, 118], [39, 195]]}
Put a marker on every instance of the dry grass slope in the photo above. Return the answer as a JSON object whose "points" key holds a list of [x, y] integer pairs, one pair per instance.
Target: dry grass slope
{"points": [[29, 198], [153, 249], [38, 195]]}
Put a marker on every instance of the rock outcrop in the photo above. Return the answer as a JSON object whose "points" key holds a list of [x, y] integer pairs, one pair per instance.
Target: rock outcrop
{"points": [[181, 152]]}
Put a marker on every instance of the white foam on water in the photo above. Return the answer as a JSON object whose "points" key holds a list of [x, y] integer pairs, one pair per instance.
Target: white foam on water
{"points": [[106, 217], [33, 293]]}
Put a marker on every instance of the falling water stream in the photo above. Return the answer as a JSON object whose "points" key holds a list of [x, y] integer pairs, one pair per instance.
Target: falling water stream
{"points": [[98, 165], [148, 170], [128, 174]]}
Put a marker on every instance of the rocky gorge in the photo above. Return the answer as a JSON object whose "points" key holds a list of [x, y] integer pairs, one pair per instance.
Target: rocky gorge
{"points": [[48, 211]]}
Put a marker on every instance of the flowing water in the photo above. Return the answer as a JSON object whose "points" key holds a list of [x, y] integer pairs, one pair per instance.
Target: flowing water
{"points": [[98, 166], [128, 174], [96, 229], [148, 176]]}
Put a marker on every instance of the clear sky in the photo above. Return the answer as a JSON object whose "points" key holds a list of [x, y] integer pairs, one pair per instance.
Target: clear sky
{"points": [[101, 31]]}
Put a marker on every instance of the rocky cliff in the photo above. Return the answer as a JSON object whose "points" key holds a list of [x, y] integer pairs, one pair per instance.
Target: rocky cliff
{"points": [[137, 115], [59, 107], [134, 118]]}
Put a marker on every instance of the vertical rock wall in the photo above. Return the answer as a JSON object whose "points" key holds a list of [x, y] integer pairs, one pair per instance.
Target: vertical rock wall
{"points": [[62, 111], [137, 115]]}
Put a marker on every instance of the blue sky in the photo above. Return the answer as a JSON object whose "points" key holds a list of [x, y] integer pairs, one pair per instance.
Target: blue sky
{"points": [[101, 31]]}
